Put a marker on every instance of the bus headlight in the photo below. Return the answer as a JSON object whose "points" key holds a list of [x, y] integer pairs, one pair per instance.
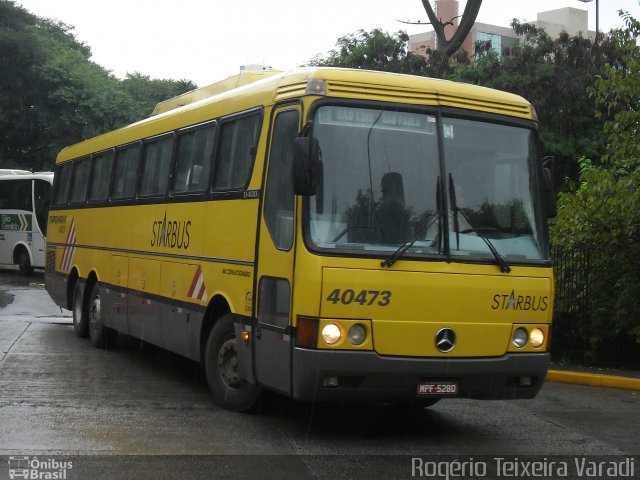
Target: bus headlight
{"points": [[357, 334], [331, 333], [536, 337], [520, 337]]}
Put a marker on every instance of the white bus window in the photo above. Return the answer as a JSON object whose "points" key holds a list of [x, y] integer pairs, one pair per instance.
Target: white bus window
{"points": [[42, 199], [15, 195]]}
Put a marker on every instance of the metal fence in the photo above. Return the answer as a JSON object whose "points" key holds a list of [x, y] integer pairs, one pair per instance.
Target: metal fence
{"points": [[596, 318]]}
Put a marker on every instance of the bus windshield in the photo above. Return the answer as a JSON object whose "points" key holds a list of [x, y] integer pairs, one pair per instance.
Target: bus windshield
{"points": [[380, 186]]}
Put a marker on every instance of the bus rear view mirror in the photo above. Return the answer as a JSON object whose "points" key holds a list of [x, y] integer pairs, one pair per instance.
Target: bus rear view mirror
{"points": [[306, 168]]}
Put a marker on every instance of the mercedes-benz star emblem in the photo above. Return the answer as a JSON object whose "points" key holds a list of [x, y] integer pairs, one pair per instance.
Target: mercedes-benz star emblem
{"points": [[445, 340]]}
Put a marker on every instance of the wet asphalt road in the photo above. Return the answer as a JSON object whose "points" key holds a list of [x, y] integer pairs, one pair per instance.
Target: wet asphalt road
{"points": [[61, 396]]}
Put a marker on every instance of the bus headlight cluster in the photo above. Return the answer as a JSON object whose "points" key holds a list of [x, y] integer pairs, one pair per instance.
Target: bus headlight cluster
{"points": [[521, 337], [332, 334]]}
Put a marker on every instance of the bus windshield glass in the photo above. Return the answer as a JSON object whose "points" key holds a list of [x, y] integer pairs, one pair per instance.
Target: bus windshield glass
{"points": [[380, 186]]}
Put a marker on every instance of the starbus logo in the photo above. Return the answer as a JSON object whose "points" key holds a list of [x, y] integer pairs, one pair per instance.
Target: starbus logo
{"points": [[171, 233], [535, 303]]}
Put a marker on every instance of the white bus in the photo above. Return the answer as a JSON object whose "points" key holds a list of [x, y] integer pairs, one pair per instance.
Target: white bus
{"points": [[24, 208]]}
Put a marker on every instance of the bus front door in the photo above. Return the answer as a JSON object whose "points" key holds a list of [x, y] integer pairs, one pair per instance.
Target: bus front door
{"points": [[272, 345]]}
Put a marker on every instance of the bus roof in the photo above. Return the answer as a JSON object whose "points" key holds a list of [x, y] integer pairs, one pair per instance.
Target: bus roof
{"points": [[6, 173], [245, 77], [338, 83]]}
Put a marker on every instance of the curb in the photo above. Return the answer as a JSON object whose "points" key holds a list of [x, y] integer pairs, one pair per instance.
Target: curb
{"points": [[594, 379]]}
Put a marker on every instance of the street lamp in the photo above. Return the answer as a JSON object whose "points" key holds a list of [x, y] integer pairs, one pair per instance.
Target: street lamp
{"points": [[597, 14]]}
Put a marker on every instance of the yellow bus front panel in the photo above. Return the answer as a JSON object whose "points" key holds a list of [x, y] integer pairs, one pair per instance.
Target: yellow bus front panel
{"points": [[408, 308], [402, 312]]}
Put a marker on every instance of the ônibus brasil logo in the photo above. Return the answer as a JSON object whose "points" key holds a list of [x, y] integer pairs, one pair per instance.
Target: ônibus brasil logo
{"points": [[36, 469]]}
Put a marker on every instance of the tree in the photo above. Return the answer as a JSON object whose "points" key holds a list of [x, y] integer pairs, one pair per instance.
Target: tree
{"points": [[554, 75], [617, 94], [448, 47], [603, 209], [448, 53], [52, 95], [374, 50], [605, 206], [452, 45], [147, 92]]}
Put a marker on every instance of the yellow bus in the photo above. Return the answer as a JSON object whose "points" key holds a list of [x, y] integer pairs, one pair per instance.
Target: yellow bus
{"points": [[328, 234]]}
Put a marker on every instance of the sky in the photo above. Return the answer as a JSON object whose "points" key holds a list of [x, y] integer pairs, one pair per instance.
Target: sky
{"points": [[206, 41]]}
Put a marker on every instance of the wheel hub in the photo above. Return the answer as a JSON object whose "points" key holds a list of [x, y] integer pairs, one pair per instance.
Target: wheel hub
{"points": [[94, 314], [228, 364]]}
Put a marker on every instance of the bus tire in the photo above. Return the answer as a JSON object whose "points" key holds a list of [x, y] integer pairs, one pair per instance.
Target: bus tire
{"points": [[221, 368], [101, 336], [24, 262], [80, 322]]}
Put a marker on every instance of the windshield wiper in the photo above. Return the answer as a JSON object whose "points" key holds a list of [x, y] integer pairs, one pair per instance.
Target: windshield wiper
{"points": [[454, 206], [428, 222], [502, 262], [407, 245]]}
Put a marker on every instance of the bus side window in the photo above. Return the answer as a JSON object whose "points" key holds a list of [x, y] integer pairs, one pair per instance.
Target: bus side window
{"points": [[279, 198], [63, 184], [4, 193], [126, 173], [78, 192], [25, 200], [99, 190], [156, 163], [15, 194], [193, 160], [238, 139], [42, 196]]}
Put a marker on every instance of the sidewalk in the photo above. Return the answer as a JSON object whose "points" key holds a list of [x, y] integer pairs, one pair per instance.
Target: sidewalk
{"points": [[596, 377]]}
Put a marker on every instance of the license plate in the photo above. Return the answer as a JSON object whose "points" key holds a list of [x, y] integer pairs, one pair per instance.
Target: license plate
{"points": [[438, 388]]}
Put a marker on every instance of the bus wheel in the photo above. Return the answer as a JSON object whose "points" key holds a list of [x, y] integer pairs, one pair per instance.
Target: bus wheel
{"points": [[100, 335], [221, 368], [80, 323], [24, 262]]}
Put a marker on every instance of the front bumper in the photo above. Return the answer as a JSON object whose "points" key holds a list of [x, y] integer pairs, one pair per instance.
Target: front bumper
{"points": [[372, 377]]}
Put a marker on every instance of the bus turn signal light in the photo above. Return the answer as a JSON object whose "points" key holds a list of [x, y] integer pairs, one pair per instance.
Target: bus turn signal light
{"points": [[316, 87], [307, 332]]}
